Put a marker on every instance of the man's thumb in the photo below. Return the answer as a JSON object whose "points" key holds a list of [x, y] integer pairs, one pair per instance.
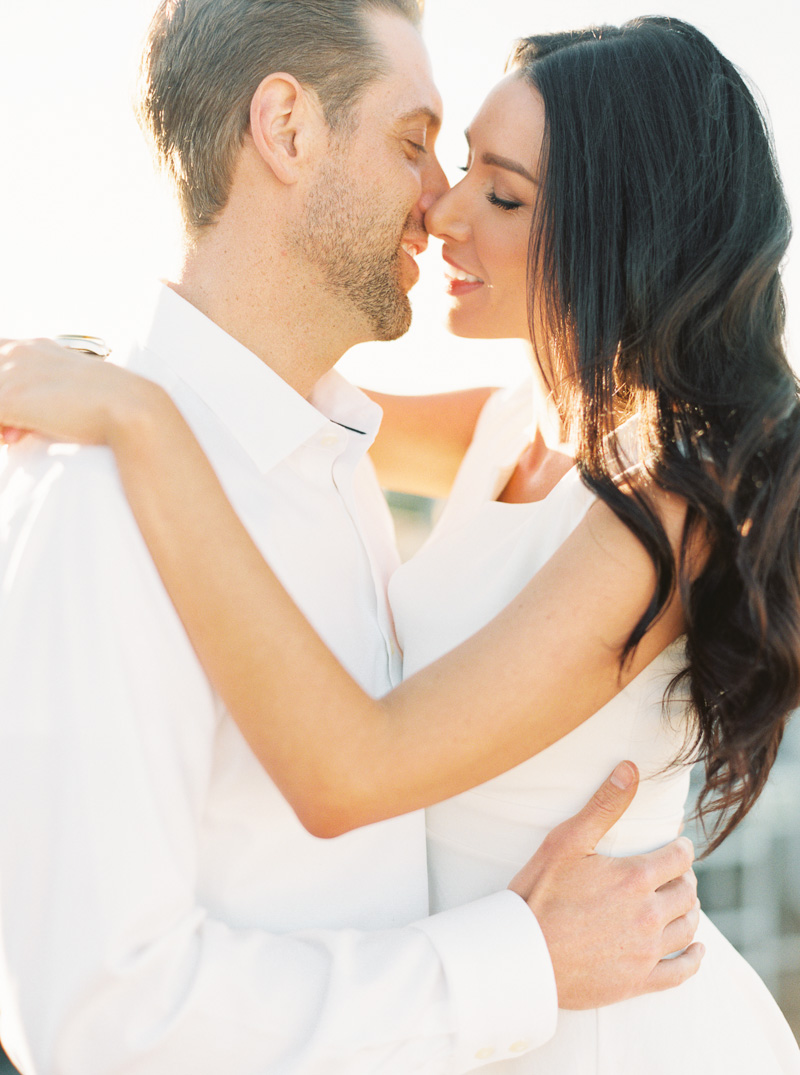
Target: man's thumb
{"points": [[605, 807]]}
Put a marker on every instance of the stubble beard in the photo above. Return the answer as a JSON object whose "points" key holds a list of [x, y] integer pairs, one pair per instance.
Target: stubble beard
{"points": [[358, 250]]}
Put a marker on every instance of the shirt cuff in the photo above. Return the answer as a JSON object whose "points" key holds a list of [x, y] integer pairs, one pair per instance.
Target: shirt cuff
{"points": [[499, 976]]}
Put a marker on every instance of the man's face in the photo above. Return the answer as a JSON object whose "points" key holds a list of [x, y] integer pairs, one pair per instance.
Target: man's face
{"points": [[363, 223]]}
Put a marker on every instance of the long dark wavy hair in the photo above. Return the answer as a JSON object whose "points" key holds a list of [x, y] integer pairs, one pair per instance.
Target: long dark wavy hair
{"points": [[655, 251]]}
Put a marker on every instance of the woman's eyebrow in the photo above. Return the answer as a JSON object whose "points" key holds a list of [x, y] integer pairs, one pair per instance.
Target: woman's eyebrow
{"points": [[508, 164], [494, 160]]}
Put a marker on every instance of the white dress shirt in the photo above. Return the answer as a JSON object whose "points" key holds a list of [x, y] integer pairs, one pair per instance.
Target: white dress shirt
{"points": [[162, 911]]}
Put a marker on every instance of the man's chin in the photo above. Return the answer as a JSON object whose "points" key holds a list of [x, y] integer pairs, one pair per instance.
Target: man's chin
{"points": [[393, 327], [388, 315]]}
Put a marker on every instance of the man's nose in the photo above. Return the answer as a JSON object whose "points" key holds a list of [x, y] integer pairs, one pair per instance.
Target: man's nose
{"points": [[434, 184]]}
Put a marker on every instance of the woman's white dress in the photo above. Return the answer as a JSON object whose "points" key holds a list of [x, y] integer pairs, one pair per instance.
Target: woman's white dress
{"points": [[480, 555]]}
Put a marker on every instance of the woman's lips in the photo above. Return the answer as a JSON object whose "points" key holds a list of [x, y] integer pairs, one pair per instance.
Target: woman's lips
{"points": [[459, 281]]}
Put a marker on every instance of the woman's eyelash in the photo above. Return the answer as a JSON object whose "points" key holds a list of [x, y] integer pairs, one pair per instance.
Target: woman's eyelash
{"points": [[506, 206], [500, 203]]}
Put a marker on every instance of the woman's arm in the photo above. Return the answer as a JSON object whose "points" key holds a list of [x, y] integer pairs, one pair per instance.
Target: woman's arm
{"points": [[341, 758], [422, 439]]}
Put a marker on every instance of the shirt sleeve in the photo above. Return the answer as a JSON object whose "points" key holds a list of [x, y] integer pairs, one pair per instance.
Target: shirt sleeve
{"points": [[108, 960]]}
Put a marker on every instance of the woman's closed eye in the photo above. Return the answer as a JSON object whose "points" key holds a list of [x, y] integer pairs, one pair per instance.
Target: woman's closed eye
{"points": [[502, 203], [506, 204]]}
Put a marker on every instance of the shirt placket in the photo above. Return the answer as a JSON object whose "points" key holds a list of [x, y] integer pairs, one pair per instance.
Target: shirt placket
{"points": [[348, 448]]}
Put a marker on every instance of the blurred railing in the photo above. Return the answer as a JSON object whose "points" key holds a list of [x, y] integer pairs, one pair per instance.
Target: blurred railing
{"points": [[750, 886]]}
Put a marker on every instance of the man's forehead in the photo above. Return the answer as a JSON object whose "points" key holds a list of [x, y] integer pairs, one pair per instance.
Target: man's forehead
{"points": [[408, 86]]}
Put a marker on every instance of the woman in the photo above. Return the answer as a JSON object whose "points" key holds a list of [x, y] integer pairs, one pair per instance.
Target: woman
{"points": [[621, 211]]}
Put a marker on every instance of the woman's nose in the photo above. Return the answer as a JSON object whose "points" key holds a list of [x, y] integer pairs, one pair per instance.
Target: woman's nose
{"points": [[444, 220]]}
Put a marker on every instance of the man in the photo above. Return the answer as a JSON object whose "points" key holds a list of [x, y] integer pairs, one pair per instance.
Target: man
{"points": [[161, 908]]}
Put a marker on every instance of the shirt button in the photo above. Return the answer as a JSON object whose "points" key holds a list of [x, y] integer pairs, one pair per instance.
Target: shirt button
{"points": [[519, 1047], [484, 1054], [329, 440]]}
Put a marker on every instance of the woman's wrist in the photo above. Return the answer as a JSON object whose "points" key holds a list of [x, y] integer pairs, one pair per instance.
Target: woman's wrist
{"points": [[138, 416]]}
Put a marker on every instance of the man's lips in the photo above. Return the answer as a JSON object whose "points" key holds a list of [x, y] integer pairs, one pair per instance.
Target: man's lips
{"points": [[412, 248]]}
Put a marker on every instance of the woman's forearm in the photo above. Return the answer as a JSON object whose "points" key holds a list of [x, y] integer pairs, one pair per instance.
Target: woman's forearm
{"points": [[422, 439], [341, 758]]}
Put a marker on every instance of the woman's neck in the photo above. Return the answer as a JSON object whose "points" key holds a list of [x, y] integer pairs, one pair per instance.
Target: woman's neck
{"points": [[548, 456], [539, 469]]}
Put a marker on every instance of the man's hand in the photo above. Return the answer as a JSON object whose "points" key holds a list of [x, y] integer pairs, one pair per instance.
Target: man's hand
{"points": [[609, 922]]}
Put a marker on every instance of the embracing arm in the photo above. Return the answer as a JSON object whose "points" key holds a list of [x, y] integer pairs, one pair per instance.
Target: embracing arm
{"points": [[342, 758], [422, 439], [111, 752]]}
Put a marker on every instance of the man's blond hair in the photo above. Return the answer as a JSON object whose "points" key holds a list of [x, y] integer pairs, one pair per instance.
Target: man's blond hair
{"points": [[204, 59]]}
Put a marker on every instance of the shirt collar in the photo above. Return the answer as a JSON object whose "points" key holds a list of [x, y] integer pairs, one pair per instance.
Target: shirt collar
{"points": [[267, 416]]}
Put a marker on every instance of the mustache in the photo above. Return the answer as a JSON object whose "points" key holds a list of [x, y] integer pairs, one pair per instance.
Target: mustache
{"points": [[413, 229]]}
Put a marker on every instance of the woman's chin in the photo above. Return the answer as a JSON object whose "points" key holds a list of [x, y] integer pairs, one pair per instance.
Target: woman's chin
{"points": [[472, 328], [468, 327], [472, 321]]}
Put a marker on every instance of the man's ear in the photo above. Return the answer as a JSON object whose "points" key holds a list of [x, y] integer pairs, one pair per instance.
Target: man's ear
{"points": [[287, 125]]}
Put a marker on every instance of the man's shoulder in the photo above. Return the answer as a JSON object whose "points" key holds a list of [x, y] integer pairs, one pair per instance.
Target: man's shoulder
{"points": [[38, 468], [68, 538], [61, 494]]}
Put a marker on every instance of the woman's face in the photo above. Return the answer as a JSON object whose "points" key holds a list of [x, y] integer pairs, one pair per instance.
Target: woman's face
{"points": [[485, 220]]}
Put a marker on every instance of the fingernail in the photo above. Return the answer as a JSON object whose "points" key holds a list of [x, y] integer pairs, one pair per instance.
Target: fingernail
{"points": [[623, 775]]}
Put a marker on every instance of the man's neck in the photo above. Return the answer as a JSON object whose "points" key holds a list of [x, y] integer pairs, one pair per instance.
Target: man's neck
{"points": [[291, 325]]}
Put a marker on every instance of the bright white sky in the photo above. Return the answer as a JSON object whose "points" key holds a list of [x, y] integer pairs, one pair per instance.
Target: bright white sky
{"points": [[85, 224]]}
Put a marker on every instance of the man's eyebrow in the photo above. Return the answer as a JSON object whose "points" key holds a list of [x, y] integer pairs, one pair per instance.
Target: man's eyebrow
{"points": [[433, 118], [493, 159]]}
